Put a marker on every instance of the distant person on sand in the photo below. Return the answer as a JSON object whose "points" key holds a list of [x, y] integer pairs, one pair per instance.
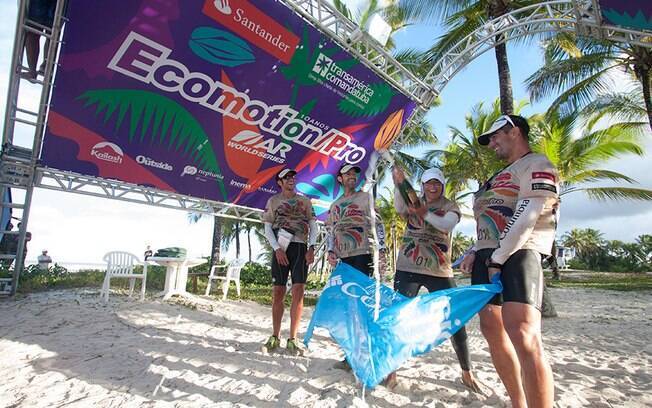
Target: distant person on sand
{"points": [[44, 260], [148, 252], [291, 230], [515, 213]]}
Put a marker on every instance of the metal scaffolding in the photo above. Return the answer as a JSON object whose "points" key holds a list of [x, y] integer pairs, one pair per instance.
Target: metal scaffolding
{"points": [[19, 166]]}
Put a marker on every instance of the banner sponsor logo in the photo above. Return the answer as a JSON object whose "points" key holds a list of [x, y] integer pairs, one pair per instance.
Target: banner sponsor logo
{"points": [[200, 173], [253, 25], [146, 161], [343, 82], [147, 61], [108, 152]]}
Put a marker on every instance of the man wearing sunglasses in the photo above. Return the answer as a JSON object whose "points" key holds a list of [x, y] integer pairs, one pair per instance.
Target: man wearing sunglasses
{"points": [[289, 222], [515, 212]]}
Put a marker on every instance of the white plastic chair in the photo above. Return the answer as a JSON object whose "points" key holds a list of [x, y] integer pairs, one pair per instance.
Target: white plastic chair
{"points": [[121, 265], [232, 274]]}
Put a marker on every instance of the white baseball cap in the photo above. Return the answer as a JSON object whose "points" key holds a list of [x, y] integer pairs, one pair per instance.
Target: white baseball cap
{"points": [[433, 173]]}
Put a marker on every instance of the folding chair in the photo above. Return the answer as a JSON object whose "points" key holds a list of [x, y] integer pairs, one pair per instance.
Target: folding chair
{"points": [[232, 274], [121, 265]]}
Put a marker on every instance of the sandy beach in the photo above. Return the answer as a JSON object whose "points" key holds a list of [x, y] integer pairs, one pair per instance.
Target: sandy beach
{"points": [[67, 348]]}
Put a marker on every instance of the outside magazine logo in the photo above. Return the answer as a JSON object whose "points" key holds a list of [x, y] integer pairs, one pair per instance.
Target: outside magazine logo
{"points": [[328, 70], [108, 152], [146, 161]]}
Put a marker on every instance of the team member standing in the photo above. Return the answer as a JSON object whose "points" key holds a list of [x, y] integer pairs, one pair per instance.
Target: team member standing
{"points": [[349, 224], [515, 214], [424, 258], [289, 222]]}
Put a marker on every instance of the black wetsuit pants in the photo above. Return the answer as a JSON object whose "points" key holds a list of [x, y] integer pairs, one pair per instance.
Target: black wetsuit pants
{"points": [[408, 284]]}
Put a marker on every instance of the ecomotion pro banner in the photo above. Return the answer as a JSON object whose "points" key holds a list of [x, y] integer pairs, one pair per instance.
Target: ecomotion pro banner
{"points": [[636, 14], [211, 98]]}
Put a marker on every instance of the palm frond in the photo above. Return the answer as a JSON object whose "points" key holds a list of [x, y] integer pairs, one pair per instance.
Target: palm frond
{"points": [[161, 118], [618, 193]]}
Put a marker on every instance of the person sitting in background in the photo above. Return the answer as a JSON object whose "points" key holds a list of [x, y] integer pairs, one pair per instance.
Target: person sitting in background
{"points": [[44, 260]]}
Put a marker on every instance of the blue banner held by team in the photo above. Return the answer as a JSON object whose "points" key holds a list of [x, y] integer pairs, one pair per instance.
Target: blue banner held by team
{"points": [[406, 327]]}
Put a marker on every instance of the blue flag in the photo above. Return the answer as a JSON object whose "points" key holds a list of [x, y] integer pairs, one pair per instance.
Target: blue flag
{"points": [[406, 327]]}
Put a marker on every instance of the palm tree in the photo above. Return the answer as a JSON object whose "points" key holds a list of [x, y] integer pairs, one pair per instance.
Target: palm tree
{"points": [[576, 157], [460, 244], [394, 227], [462, 17], [587, 243], [582, 70]]}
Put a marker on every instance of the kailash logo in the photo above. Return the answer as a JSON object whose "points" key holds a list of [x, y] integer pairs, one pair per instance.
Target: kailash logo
{"points": [[340, 79], [108, 152], [322, 66]]}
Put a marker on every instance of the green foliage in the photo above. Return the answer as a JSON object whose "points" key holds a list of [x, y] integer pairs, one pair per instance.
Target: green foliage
{"points": [[595, 253], [354, 107], [625, 282], [256, 274]]}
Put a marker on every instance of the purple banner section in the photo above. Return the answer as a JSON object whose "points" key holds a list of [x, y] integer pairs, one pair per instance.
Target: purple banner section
{"points": [[212, 98], [636, 14]]}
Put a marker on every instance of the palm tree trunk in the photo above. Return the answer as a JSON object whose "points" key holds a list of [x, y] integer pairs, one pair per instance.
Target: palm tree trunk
{"points": [[547, 307], [237, 240], [553, 262], [249, 241], [216, 244], [504, 79], [643, 75]]}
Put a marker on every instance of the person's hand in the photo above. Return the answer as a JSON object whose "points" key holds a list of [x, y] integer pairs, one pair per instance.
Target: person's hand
{"points": [[419, 211], [492, 272], [310, 255], [467, 263], [332, 258], [398, 175], [281, 258]]}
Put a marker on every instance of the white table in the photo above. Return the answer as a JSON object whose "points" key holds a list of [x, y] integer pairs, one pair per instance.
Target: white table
{"points": [[176, 274]]}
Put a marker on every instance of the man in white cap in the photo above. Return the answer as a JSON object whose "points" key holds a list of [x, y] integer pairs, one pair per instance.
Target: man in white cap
{"points": [[424, 259], [289, 223], [515, 212]]}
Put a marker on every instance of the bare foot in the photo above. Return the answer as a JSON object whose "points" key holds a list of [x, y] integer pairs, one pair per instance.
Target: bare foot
{"points": [[391, 381], [471, 383]]}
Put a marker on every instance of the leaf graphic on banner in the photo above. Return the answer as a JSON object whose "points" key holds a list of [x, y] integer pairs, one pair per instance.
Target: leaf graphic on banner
{"points": [[158, 117], [220, 47], [302, 69], [354, 107]]}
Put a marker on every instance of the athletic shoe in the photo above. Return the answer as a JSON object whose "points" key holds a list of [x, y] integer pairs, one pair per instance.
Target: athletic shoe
{"points": [[272, 344], [294, 348], [342, 365]]}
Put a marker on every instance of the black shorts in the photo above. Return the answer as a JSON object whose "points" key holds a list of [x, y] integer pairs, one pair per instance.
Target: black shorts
{"points": [[521, 276], [409, 283], [364, 263], [296, 254]]}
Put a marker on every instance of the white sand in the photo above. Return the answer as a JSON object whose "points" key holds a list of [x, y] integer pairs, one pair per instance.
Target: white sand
{"points": [[66, 348]]}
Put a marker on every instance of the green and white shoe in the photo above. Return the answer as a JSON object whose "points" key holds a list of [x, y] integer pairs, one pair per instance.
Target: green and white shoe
{"points": [[294, 348], [272, 344]]}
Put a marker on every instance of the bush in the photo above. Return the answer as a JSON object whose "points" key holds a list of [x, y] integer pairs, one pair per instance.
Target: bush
{"points": [[254, 273]]}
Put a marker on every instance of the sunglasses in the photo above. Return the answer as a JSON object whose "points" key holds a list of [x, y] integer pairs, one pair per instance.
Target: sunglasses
{"points": [[505, 120]]}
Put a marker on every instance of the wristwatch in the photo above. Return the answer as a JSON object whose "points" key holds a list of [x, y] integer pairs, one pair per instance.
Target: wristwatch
{"points": [[491, 264]]}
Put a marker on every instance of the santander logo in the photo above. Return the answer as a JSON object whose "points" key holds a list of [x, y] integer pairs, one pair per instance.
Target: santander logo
{"points": [[107, 151], [254, 26]]}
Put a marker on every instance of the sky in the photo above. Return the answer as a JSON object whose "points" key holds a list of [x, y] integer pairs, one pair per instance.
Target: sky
{"points": [[78, 229]]}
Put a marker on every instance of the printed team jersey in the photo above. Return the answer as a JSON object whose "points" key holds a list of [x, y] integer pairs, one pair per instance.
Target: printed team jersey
{"points": [[349, 221], [495, 203], [424, 248], [292, 214]]}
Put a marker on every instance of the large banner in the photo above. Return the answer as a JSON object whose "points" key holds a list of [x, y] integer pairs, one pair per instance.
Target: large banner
{"points": [[211, 98], [635, 14]]}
